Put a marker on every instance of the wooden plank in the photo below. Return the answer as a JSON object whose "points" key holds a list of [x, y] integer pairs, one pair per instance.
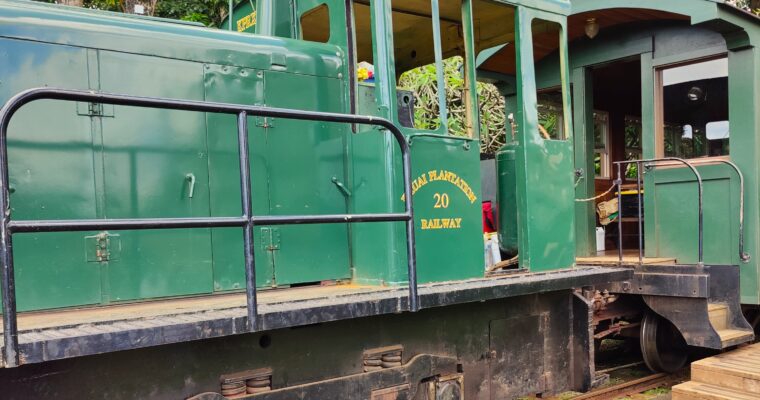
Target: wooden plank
{"points": [[158, 308], [702, 391]]}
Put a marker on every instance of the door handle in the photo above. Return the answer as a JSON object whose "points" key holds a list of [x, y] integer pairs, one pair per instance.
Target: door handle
{"points": [[343, 189], [190, 178]]}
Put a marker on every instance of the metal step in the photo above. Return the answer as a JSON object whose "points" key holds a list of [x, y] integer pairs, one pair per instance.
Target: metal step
{"points": [[733, 337], [718, 314], [702, 301]]}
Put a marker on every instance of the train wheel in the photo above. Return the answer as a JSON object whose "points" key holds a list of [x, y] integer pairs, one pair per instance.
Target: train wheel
{"points": [[662, 346]]}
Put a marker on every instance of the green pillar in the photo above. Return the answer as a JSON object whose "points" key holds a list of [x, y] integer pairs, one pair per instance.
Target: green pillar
{"points": [[583, 126], [743, 89]]}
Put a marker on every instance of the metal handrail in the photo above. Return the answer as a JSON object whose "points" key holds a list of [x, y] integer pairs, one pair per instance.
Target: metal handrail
{"points": [[619, 183], [246, 221], [743, 256]]}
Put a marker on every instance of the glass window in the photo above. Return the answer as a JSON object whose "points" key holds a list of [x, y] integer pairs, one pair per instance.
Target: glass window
{"points": [[632, 144], [695, 109], [546, 46], [315, 24], [497, 67], [601, 144], [418, 74]]}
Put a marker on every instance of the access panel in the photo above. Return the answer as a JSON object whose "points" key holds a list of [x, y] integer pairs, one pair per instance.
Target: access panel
{"points": [[51, 175], [156, 165], [307, 167], [240, 86]]}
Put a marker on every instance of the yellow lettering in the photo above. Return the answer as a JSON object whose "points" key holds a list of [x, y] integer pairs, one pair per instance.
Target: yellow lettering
{"points": [[440, 175], [246, 22]]}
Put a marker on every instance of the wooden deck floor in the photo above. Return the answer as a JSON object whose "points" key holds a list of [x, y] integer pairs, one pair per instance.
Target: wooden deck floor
{"points": [[59, 334], [176, 306], [610, 257], [734, 375]]}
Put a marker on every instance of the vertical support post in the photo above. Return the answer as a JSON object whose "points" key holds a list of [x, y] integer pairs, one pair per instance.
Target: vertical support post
{"points": [[438, 48], [701, 219], [583, 143], [245, 196], [638, 194], [230, 7], [10, 323], [410, 241], [619, 184]]}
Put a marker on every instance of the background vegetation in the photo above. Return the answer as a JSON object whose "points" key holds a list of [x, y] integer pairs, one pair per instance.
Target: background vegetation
{"points": [[423, 82]]}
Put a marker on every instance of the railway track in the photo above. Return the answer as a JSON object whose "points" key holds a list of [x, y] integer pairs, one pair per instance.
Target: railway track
{"points": [[633, 387]]}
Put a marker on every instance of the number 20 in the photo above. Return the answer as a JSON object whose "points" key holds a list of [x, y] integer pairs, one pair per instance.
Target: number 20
{"points": [[441, 200]]}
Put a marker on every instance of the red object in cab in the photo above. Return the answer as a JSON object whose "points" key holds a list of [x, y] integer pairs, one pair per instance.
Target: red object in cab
{"points": [[489, 224]]}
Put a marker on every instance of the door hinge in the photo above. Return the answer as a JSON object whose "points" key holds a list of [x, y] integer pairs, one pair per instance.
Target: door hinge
{"points": [[264, 122], [102, 247], [270, 239]]}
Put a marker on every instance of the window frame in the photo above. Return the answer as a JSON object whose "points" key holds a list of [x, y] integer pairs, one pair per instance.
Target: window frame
{"points": [[659, 107], [564, 79], [317, 8], [604, 159]]}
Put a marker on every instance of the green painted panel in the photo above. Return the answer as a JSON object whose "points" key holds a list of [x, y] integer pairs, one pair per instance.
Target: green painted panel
{"points": [[303, 159], [50, 151], [148, 155], [675, 215], [447, 209], [241, 86], [109, 31], [545, 188]]}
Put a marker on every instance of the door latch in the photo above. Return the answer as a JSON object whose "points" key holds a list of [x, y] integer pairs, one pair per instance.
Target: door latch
{"points": [[102, 247]]}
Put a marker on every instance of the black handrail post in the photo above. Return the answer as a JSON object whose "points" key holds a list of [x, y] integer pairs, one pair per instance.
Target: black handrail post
{"points": [[743, 256], [245, 196], [10, 322], [410, 244], [638, 193], [619, 183]]}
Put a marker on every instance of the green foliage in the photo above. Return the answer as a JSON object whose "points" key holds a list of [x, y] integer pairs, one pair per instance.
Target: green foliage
{"points": [[424, 83], [207, 12], [106, 5]]}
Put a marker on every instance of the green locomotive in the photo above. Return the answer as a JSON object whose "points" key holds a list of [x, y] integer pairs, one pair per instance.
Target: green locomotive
{"points": [[131, 147]]}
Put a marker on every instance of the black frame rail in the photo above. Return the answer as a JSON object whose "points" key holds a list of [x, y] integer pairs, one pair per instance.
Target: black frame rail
{"points": [[654, 162], [247, 221]]}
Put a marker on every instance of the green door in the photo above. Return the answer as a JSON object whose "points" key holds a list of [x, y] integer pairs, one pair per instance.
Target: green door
{"points": [[240, 86], [50, 151], [155, 164], [306, 160]]}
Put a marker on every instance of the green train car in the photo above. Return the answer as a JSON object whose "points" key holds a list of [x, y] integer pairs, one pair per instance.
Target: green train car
{"points": [[247, 212]]}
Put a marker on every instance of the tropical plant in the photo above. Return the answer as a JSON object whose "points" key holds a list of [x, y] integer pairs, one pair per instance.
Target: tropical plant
{"points": [[423, 82]]}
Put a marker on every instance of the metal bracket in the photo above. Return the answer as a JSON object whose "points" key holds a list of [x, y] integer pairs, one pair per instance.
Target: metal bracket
{"points": [[102, 247], [95, 109], [264, 122], [270, 239]]}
